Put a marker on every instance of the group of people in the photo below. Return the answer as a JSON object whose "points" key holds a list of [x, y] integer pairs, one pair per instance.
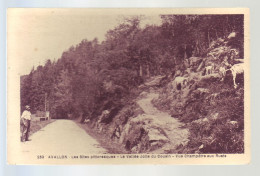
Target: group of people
{"points": [[25, 124]]}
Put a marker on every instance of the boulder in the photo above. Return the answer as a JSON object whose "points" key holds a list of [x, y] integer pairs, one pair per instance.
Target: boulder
{"points": [[143, 133]]}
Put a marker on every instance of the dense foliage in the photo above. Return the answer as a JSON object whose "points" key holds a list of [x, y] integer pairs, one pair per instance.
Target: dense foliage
{"points": [[93, 76]]}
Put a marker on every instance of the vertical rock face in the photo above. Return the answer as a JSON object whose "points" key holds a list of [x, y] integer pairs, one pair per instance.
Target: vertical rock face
{"points": [[142, 134]]}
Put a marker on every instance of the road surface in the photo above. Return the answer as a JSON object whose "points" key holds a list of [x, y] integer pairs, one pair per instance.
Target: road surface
{"points": [[61, 137]]}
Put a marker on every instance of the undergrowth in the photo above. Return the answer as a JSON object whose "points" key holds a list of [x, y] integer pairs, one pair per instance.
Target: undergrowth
{"points": [[215, 119]]}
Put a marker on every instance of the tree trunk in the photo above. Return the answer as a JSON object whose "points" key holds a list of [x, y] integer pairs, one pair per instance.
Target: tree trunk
{"points": [[185, 51], [140, 71], [148, 71], [216, 33], [197, 48], [208, 38]]}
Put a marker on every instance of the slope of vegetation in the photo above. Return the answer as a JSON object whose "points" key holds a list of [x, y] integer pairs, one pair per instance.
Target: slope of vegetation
{"points": [[211, 108], [101, 82]]}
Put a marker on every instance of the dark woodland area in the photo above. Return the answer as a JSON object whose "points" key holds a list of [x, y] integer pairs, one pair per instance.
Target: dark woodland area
{"points": [[100, 82]]}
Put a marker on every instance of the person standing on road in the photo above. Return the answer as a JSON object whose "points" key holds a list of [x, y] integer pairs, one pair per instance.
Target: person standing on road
{"points": [[25, 124]]}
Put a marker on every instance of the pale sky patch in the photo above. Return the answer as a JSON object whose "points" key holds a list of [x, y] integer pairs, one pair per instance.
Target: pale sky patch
{"points": [[35, 35]]}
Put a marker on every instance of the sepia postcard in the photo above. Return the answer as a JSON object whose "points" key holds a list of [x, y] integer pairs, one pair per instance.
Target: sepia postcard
{"points": [[128, 86]]}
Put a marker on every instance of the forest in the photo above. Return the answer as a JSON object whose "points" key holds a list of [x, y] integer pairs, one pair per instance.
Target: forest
{"points": [[94, 76]]}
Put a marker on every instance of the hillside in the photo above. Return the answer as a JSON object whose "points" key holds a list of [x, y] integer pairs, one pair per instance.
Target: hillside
{"points": [[173, 88], [209, 105], [205, 115]]}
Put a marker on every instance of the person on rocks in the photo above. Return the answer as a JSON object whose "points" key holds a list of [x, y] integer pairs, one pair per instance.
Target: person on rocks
{"points": [[25, 124]]}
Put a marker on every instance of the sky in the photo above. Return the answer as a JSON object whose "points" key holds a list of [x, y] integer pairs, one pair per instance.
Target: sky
{"points": [[36, 35]]}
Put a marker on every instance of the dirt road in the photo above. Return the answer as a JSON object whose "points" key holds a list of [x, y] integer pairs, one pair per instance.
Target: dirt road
{"points": [[172, 127], [62, 137]]}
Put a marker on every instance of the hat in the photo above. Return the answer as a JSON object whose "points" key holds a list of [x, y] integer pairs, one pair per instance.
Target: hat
{"points": [[27, 107]]}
